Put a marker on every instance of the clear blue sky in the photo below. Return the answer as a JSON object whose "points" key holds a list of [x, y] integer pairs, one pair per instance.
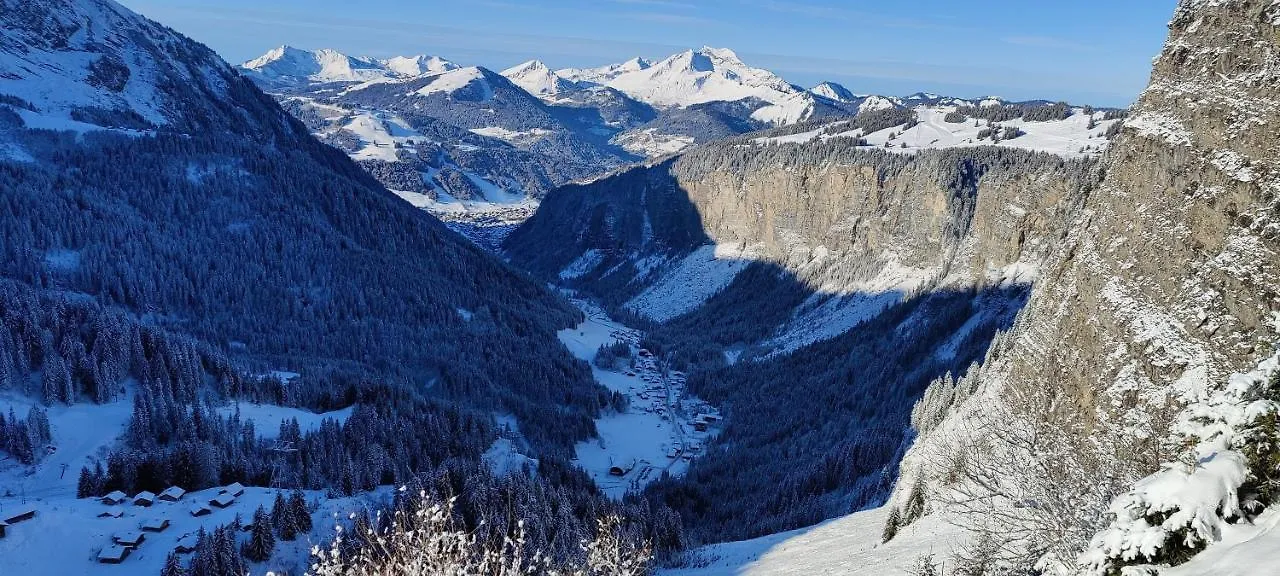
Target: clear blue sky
{"points": [[1087, 51]]}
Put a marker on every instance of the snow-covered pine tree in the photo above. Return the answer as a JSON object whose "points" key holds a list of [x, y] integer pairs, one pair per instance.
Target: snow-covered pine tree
{"points": [[173, 566], [261, 541], [282, 519]]}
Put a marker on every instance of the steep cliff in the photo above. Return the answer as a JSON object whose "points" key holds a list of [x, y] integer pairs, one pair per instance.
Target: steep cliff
{"points": [[847, 222], [1164, 286]]}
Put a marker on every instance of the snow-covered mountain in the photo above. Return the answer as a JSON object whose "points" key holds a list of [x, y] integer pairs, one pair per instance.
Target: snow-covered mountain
{"points": [[417, 65], [93, 64], [603, 74], [288, 65], [703, 75], [834, 91], [537, 79]]}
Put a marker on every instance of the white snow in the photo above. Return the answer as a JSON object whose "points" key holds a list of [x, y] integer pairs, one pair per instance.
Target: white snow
{"points": [[651, 143], [418, 65], [582, 265], [379, 133], [80, 432], [1160, 126], [706, 75], [512, 136], [267, 417], [325, 65], [789, 111], [697, 277], [603, 74], [1197, 494], [503, 459], [56, 79], [833, 91], [66, 533], [1070, 137], [454, 80], [537, 79], [849, 545]]}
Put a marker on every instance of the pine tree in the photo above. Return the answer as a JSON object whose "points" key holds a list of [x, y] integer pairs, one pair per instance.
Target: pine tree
{"points": [[891, 525], [282, 518], [299, 512], [173, 566], [261, 541], [84, 486]]}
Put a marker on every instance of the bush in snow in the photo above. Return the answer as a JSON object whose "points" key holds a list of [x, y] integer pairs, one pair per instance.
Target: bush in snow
{"points": [[1229, 472], [427, 541]]}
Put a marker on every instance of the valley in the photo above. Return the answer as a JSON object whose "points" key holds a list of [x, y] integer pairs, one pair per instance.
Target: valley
{"points": [[660, 429], [673, 315]]}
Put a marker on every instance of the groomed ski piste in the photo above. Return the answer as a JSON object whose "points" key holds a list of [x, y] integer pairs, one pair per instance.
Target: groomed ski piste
{"points": [[658, 432]]}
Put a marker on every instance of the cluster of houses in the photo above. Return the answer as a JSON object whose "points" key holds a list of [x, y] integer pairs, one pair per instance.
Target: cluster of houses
{"points": [[123, 543]]}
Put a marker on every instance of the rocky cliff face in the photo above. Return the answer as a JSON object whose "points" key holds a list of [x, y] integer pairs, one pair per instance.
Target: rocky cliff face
{"points": [[843, 220], [1167, 281]]}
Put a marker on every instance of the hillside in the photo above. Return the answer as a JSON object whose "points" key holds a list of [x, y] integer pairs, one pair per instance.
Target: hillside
{"points": [[230, 223]]}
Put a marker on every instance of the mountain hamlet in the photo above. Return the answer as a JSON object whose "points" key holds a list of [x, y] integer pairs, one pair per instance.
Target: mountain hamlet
{"points": [[336, 315]]}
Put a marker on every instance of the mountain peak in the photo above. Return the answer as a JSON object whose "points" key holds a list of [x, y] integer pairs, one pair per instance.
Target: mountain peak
{"points": [[834, 91], [418, 65], [537, 79]]}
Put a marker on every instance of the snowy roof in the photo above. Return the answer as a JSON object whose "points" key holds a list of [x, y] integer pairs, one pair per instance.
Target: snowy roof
{"points": [[173, 492], [156, 524], [113, 552], [144, 495], [199, 509], [186, 543], [223, 500], [235, 489], [131, 538], [116, 496], [114, 512]]}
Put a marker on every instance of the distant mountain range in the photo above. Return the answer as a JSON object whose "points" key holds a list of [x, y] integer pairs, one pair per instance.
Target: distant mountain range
{"points": [[468, 143]]}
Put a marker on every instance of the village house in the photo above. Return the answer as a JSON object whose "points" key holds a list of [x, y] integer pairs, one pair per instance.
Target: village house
{"points": [[172, 494], [144, 498], [223, 500], [198, 510], [113, 554], [112, 512], [186, 544], [155, 525], [234, 490], [114, 498], [131, 539]]}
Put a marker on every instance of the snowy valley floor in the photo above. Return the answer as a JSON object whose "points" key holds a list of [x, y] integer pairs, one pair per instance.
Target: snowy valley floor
{"points": [[846, 545]]}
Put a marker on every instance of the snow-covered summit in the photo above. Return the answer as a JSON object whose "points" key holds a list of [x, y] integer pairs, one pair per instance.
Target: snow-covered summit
{"points": [[834, 91], [537, 79], [418, 65], [289, 64], [603, 74], [698, 76], [87, 64]]}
